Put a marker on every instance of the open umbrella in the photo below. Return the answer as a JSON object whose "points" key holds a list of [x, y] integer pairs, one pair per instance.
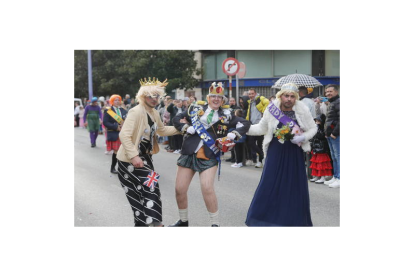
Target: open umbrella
{"points": [[299, 80]]}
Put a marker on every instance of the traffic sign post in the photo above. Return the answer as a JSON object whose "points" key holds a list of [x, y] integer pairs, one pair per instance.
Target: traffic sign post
{"points": [[230, 67]]}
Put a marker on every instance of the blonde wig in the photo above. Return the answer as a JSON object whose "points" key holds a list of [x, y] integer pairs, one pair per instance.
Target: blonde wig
{"points": [[288, 88]]}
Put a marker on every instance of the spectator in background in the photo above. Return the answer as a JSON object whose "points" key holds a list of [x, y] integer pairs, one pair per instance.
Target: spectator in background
{"points": [[92, 118], [256, 106], [176, 108], [320, 161], [233, 107], [81, 113], [306, 98], [192, 100], [239, 147], [185, 102], [133, 104], [166, 121], [127, 99], [321, 106], [77, 114], [332, 131], [102, 129], [244, 106]]}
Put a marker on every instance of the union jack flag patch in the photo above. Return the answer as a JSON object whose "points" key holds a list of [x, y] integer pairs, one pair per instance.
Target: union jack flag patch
{"points": [[152, 179]]}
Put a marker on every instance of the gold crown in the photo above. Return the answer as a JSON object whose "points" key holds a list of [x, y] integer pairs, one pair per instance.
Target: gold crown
{"points": [[216, 90], [154, 81]]}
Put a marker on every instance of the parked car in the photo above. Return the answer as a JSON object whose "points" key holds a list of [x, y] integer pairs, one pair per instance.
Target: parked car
{"points": [[79, 101]]}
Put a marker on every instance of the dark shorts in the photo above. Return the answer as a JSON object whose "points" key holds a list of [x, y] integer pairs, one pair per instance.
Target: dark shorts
{"points": [[198, 165]]}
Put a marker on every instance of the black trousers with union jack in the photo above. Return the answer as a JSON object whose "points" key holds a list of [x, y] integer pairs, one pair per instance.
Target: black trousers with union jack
{"points": [[145, 201]]}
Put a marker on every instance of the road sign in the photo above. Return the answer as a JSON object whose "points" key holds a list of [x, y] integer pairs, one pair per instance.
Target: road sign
{"points": [[230, 66], [242, 71]]}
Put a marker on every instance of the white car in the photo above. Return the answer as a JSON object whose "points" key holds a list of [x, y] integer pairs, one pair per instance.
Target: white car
{"points": [[79, 101]]}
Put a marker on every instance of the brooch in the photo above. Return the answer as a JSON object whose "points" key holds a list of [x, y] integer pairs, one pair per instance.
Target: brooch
{"points": [[200, 112]]}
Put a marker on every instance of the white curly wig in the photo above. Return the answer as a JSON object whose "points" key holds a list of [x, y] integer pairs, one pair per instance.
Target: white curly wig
{"points": [[288, 88]]}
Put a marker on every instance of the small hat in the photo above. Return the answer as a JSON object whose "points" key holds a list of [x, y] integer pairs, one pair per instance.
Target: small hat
{"points": [[94, 99]]}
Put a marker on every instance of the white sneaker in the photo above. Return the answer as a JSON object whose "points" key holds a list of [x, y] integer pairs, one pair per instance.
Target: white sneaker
{"points": [[314, 179], [335, 184], [330, 181], [321, 180], [176, 152], [237, 165], [249, 163], [258, 165]]}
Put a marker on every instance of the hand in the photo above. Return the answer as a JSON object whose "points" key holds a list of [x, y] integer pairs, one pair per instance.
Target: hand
{"points": [[333, 137], [100, 121], [298, 139], [184, 121], [231, 136], [85, 124], [119, 128], [190, 130], [137, 162]]}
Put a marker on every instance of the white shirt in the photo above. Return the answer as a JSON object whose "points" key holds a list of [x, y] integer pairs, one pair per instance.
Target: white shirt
{"points": [[203, 120]]}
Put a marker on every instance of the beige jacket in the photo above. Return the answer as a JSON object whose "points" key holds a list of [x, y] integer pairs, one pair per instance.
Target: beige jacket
{"points": [[133, 129]]}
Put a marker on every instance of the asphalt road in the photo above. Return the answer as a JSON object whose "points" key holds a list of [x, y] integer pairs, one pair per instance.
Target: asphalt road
{"points": [[100, 200]]}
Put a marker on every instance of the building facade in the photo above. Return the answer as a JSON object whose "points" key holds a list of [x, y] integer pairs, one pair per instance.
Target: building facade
{"points": [[265, 67]]}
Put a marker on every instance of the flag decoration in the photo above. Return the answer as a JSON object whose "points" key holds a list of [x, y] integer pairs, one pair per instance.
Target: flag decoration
{"points": [[152, 179]]}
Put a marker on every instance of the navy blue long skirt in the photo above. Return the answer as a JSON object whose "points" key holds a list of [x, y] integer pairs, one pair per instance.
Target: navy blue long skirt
{"points": [[282, 196]]}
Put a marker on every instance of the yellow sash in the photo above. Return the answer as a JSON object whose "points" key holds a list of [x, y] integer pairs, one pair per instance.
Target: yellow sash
{"points": [[115, 116]]}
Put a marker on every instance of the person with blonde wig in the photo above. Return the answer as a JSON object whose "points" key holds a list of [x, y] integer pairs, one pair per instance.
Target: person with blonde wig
{"points": [[282, 196], [138, 143], [113, 119]]}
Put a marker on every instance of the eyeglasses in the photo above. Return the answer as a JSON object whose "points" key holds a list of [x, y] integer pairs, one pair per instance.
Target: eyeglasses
{"points": [[153, 97]]}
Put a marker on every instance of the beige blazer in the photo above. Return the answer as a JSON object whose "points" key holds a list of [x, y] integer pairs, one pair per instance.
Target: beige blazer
{"points": [[133, 129]]}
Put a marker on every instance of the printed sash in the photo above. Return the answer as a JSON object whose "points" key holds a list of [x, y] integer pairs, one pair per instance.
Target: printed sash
{"points": [[278, 114], [115, 116], [202, 132]]}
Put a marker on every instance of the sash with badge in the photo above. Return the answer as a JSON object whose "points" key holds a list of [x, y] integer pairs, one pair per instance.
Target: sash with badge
{"points": [[278, 114], [115, 116], [207, 140]]}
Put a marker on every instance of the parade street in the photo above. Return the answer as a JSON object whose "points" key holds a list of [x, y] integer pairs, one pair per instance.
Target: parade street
{"points": [[100, 199]]}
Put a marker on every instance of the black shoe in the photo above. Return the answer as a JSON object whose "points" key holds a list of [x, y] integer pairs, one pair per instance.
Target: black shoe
{"points": [[93, 145], [215, 225], [179, 223], [230, 160], [114, 171]]}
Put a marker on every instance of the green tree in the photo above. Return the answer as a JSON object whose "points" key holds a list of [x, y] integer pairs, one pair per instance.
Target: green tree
{"points": [[119, 72]]}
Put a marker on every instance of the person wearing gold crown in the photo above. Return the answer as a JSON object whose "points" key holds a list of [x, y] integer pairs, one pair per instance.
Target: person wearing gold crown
{"points": [[202, 125], [282, 196], [138, 144]]}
